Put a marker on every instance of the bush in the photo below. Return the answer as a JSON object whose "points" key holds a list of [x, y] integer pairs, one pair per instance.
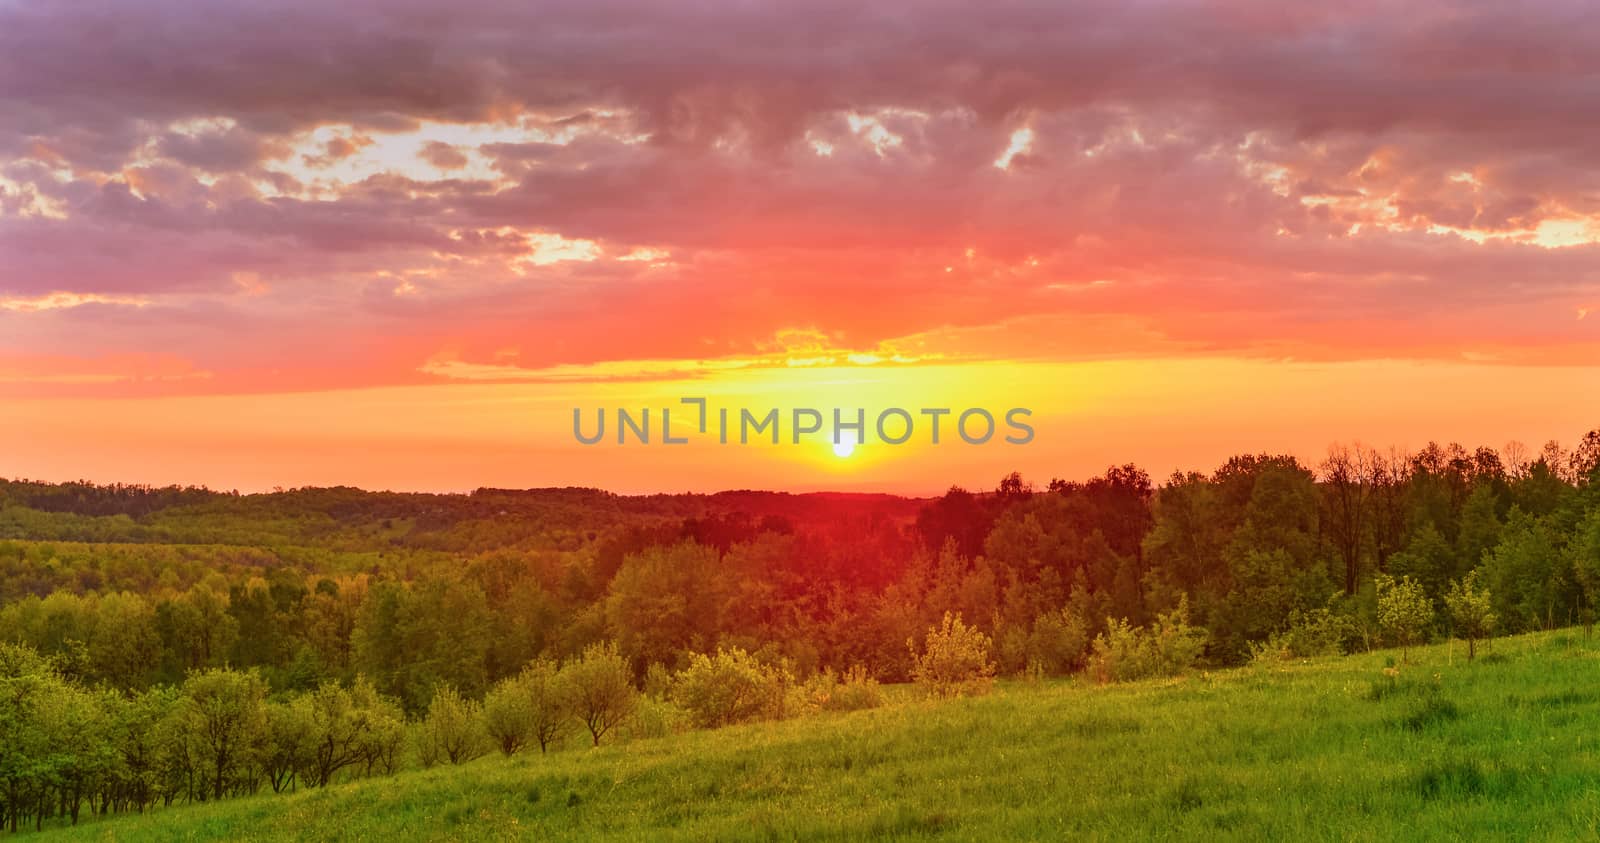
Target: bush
{"points": [[954, 660], [730, 687], [827, 691], [656, 718], [1404, 610], [1471, 612], [598, 689], [452, 731], [1319, 632], [1117, 654], [1058, 642], [508, 716], [1123, 652]]}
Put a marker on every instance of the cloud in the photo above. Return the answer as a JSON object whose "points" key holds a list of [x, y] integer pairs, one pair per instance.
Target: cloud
{"points": [[603, 182]]}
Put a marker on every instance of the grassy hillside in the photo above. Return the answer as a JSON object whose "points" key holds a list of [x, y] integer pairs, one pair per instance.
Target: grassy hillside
{"points": [[1329, 749]]}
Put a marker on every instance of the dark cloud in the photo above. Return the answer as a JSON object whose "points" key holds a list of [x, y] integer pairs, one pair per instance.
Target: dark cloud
{"points": [[1253, 177]]}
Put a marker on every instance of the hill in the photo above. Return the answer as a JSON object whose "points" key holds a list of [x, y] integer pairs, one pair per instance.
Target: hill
{"points": [[1332, 748]]}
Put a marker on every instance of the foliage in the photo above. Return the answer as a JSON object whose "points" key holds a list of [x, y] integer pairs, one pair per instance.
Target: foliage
{"points": [[1497, 751], [1123, 652], [224, 717], [1471, 611], [1323, 631], [1527, 574], [1404, 610], [730, 687], [953, 661], [599, 689], [452, 730], [853, 690]]}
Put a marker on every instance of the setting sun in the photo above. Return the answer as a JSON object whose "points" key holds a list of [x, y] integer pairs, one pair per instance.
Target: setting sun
{"points": [[846, 444]]}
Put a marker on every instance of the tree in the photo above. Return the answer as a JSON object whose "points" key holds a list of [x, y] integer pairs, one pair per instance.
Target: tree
{"points": [[286, 751], [224, 714], [1585, 551], [730, 687], [954, 659], [1427, 558], [1391, 509], [341, 725], [547, 699], [599, 689], [508, 715], [665, 601], [1345, 476], [1404, 610], [1480, 528], [451, 731], [1471, 611], [1525, 573]]}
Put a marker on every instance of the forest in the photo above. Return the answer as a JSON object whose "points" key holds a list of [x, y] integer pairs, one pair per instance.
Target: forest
{"points": [[168, 645]]}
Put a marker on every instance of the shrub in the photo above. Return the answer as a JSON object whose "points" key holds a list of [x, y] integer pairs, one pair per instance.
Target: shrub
{"points": [[528, 708], [1058, 642], [508, 716], [598, 689], [656, 718], [1319, 632], [452, 730], [1117, 655], [856, 690], [1124, 652], [1177, 645], [827, 691], [1404, 610], [730, 687], [954, 660], [657, 681], [1471, 612]]}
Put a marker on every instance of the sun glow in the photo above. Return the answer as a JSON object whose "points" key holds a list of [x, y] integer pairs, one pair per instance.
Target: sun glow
{"points": [[846, 444]]}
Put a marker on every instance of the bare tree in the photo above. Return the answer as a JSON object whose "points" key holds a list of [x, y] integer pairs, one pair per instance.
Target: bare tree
{"points": [[1389, 475], [1345, 476], [1515, 457]]}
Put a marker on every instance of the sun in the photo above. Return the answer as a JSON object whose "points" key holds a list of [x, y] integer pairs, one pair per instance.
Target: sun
{"points": [[846, 444]]}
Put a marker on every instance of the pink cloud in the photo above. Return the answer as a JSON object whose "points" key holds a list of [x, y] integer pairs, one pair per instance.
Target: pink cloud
{"points": [[1228, 178]]}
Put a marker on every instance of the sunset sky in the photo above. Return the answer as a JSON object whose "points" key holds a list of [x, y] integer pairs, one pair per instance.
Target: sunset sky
{"points": [[394, 244]]}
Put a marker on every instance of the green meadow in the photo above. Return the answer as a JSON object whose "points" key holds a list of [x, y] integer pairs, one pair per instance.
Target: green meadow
{"points": [[1507, 747]]}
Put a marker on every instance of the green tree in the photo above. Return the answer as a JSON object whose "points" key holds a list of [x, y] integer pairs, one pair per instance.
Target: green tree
{"points": [[1480, 528], [341, 725], [1427, 558], [953, 660], [1471, 612], [666, 601], [508, 715], [1404, 610], [1526, 573], [552, 714], [452, 730], [286, 751], [599, 689], [223, 713], [1585, 552], [730, 687]]}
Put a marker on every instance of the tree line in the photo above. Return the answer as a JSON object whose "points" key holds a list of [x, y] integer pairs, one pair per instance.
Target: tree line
{"points": [[383, 610]]}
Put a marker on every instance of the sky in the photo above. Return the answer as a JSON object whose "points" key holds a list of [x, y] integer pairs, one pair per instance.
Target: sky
{"points": [[396, 244]]}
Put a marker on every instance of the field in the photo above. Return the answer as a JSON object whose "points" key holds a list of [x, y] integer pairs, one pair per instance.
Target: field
{"points": [[1329, 749]]}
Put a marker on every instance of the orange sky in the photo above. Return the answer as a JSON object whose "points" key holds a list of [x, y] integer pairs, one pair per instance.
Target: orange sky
{"points": [[1162, 414], [322, 243]]}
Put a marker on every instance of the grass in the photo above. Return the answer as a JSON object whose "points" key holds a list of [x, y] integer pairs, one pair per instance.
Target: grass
{"points": [[1329, 749]]}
